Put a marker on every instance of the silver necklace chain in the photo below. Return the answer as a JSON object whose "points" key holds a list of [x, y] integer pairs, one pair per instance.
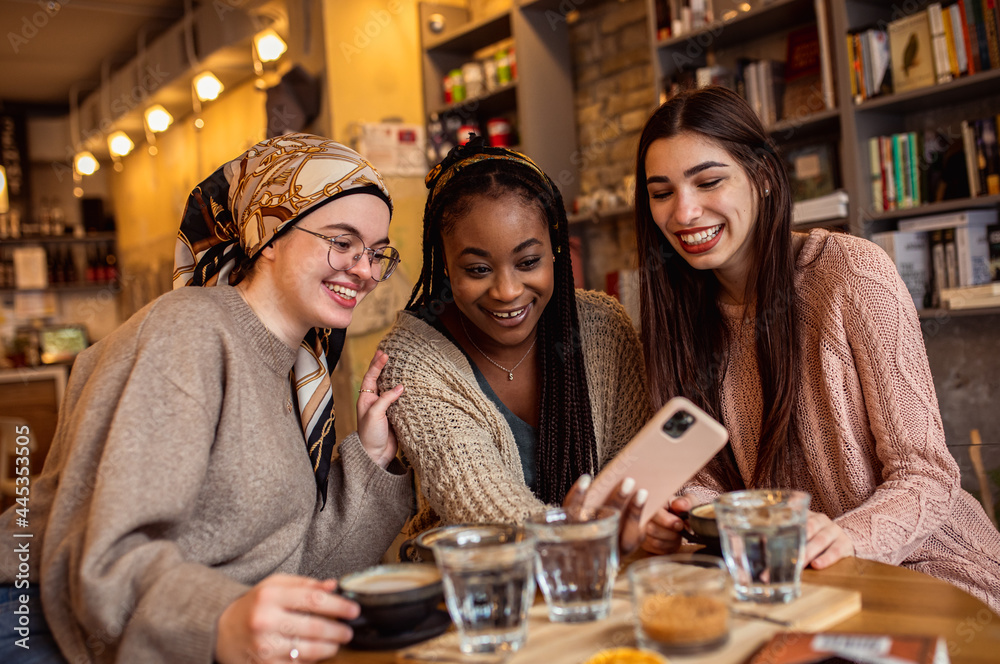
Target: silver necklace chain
{"points": [[510, 372]]}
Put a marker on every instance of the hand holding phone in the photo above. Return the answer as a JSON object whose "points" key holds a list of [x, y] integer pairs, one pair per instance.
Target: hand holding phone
{"points": [[670, 449]]}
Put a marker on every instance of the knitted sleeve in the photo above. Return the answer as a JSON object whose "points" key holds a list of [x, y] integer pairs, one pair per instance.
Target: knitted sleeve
{"points": [[459, 445], [142, 441], [919, 476], [616, 375]]}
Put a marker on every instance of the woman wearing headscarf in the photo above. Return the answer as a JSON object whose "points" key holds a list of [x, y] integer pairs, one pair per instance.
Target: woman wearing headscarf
{"points": [[191, 505]]}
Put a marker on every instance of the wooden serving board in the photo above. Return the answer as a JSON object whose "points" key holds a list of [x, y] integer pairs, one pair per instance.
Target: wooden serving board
{"points": [[819, 607]]}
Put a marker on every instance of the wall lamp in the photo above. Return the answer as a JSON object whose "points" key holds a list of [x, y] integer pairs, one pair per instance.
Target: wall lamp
{"points": [[158, 119]]}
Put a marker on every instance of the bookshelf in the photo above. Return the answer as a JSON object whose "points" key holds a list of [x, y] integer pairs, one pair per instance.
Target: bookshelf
{"points": [[538, 102]]}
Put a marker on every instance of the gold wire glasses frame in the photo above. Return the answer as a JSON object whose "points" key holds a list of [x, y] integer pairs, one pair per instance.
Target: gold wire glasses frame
{"points": [[344, 252]]}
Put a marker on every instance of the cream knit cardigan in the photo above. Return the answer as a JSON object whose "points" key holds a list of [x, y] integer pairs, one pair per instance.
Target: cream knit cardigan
{"points": [[467, 463]]}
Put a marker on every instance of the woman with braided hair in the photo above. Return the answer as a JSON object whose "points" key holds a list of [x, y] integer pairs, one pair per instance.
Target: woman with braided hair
{"points": [[516, 383]]}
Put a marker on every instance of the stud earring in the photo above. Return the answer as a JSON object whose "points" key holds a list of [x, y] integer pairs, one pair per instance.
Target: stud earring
{"points": [[767, 192]]}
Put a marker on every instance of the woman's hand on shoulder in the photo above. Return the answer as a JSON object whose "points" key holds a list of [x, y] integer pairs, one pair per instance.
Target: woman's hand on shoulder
{"points": [[623, 498], [374, 430], [283, 613], [826, 542]]}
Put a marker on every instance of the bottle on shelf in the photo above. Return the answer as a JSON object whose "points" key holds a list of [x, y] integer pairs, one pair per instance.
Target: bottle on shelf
{"points": [[110, 267], [94, 271]]}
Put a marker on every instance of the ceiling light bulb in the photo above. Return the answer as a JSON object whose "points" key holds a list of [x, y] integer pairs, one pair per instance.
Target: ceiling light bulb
{"points": [[269, 45], [207, 86], [157, 118], [85, 163], [119, 144]]}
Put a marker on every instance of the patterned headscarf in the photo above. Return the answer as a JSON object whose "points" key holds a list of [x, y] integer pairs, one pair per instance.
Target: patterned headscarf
{"points": [[242, 207]]}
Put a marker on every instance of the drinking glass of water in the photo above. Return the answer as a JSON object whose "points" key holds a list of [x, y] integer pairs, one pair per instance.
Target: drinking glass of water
{"points": [[763, 536], [577, 560], [489, 584]]}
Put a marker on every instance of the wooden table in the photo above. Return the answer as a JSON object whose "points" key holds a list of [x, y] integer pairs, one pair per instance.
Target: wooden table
{"points": [[902, 601], [895, 600]]}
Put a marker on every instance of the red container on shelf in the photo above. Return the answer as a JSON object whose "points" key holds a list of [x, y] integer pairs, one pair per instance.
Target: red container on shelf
{"points": [[498, 130], [465, 130]]}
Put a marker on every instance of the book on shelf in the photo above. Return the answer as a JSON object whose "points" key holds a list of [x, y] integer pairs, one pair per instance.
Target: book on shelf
{"points": [[871, 63], [967, 39], [971, 297], [977, 25], [949, 41], [912, 52], [950, 259], [935, 18], [830, 206], [812, 169], [971, 244], [991, 23], [988, 155], [803, 94], [852, 648], [993, 238], [909, 251], [825, 61], [958, 40], [956, 219], [939, 272]]}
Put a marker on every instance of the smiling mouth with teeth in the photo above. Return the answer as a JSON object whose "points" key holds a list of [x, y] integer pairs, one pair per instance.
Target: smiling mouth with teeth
{"points": [[694, 239], [508, 314], [344, 292]]}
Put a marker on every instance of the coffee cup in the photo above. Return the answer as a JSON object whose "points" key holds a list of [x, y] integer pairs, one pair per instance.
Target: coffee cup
{"points": [[394, 598]]}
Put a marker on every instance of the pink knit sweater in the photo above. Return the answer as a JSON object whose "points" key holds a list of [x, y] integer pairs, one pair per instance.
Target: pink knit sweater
{"points": [[872, 450]]}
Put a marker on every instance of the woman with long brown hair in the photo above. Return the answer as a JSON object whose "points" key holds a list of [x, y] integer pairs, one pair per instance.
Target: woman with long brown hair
{"points": [[806, 346]]}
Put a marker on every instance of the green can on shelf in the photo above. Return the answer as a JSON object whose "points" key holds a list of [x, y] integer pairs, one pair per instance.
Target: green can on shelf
{"points": [[457, 86]]}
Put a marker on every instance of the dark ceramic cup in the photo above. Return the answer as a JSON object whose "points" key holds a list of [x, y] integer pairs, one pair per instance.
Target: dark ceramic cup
{"points": [[394, 598]]}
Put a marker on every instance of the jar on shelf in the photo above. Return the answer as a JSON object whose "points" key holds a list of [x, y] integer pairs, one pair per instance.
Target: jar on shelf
{"points": [[470, 127], [472, 74], [490, 74], [499, 132], [457, 86], [503, 67]]}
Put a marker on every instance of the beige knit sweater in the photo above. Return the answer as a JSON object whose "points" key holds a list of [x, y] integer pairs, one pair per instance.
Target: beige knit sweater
{"points": [[464, 454], [179, 477], [872, 451]]}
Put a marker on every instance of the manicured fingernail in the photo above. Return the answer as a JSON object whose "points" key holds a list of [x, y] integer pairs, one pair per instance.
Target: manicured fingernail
{"points": [[584, 481], [627, 486], [640, 497]]}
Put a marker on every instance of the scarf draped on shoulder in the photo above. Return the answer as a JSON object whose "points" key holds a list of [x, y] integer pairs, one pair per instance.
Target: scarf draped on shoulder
{"points": [[243, 206]]}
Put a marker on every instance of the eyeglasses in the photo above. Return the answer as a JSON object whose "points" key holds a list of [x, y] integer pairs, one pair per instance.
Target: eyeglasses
{"points": [[346, 250]]}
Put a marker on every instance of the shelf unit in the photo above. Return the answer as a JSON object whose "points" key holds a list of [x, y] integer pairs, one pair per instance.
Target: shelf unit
{"points": [[762, 32], [539, 100], [79, 251]]}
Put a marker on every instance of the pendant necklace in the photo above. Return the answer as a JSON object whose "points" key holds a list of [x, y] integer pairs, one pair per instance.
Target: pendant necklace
{"points": [[510, 372]]}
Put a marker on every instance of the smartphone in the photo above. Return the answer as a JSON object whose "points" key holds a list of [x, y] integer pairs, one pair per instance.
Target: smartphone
{"points": [[670, 449]]}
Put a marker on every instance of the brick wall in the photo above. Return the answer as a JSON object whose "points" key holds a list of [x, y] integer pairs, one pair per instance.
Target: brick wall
{"points": [[613, 80]]}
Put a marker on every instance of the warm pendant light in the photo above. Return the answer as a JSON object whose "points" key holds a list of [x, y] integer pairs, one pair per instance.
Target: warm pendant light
{"points": [[157, 118], [269, 45], [119, 144], [207, 86], [4, 197], [85, 163]]}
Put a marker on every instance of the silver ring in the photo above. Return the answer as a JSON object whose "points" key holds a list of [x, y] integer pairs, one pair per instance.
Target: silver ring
{"points": [[293, 654], [365, 389]]}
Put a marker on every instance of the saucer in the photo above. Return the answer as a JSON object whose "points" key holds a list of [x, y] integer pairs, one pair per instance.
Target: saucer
{"points": [[367, 637]]}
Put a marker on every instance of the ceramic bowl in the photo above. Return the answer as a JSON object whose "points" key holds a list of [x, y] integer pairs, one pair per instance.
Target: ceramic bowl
{"points": [[394, 598]]}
